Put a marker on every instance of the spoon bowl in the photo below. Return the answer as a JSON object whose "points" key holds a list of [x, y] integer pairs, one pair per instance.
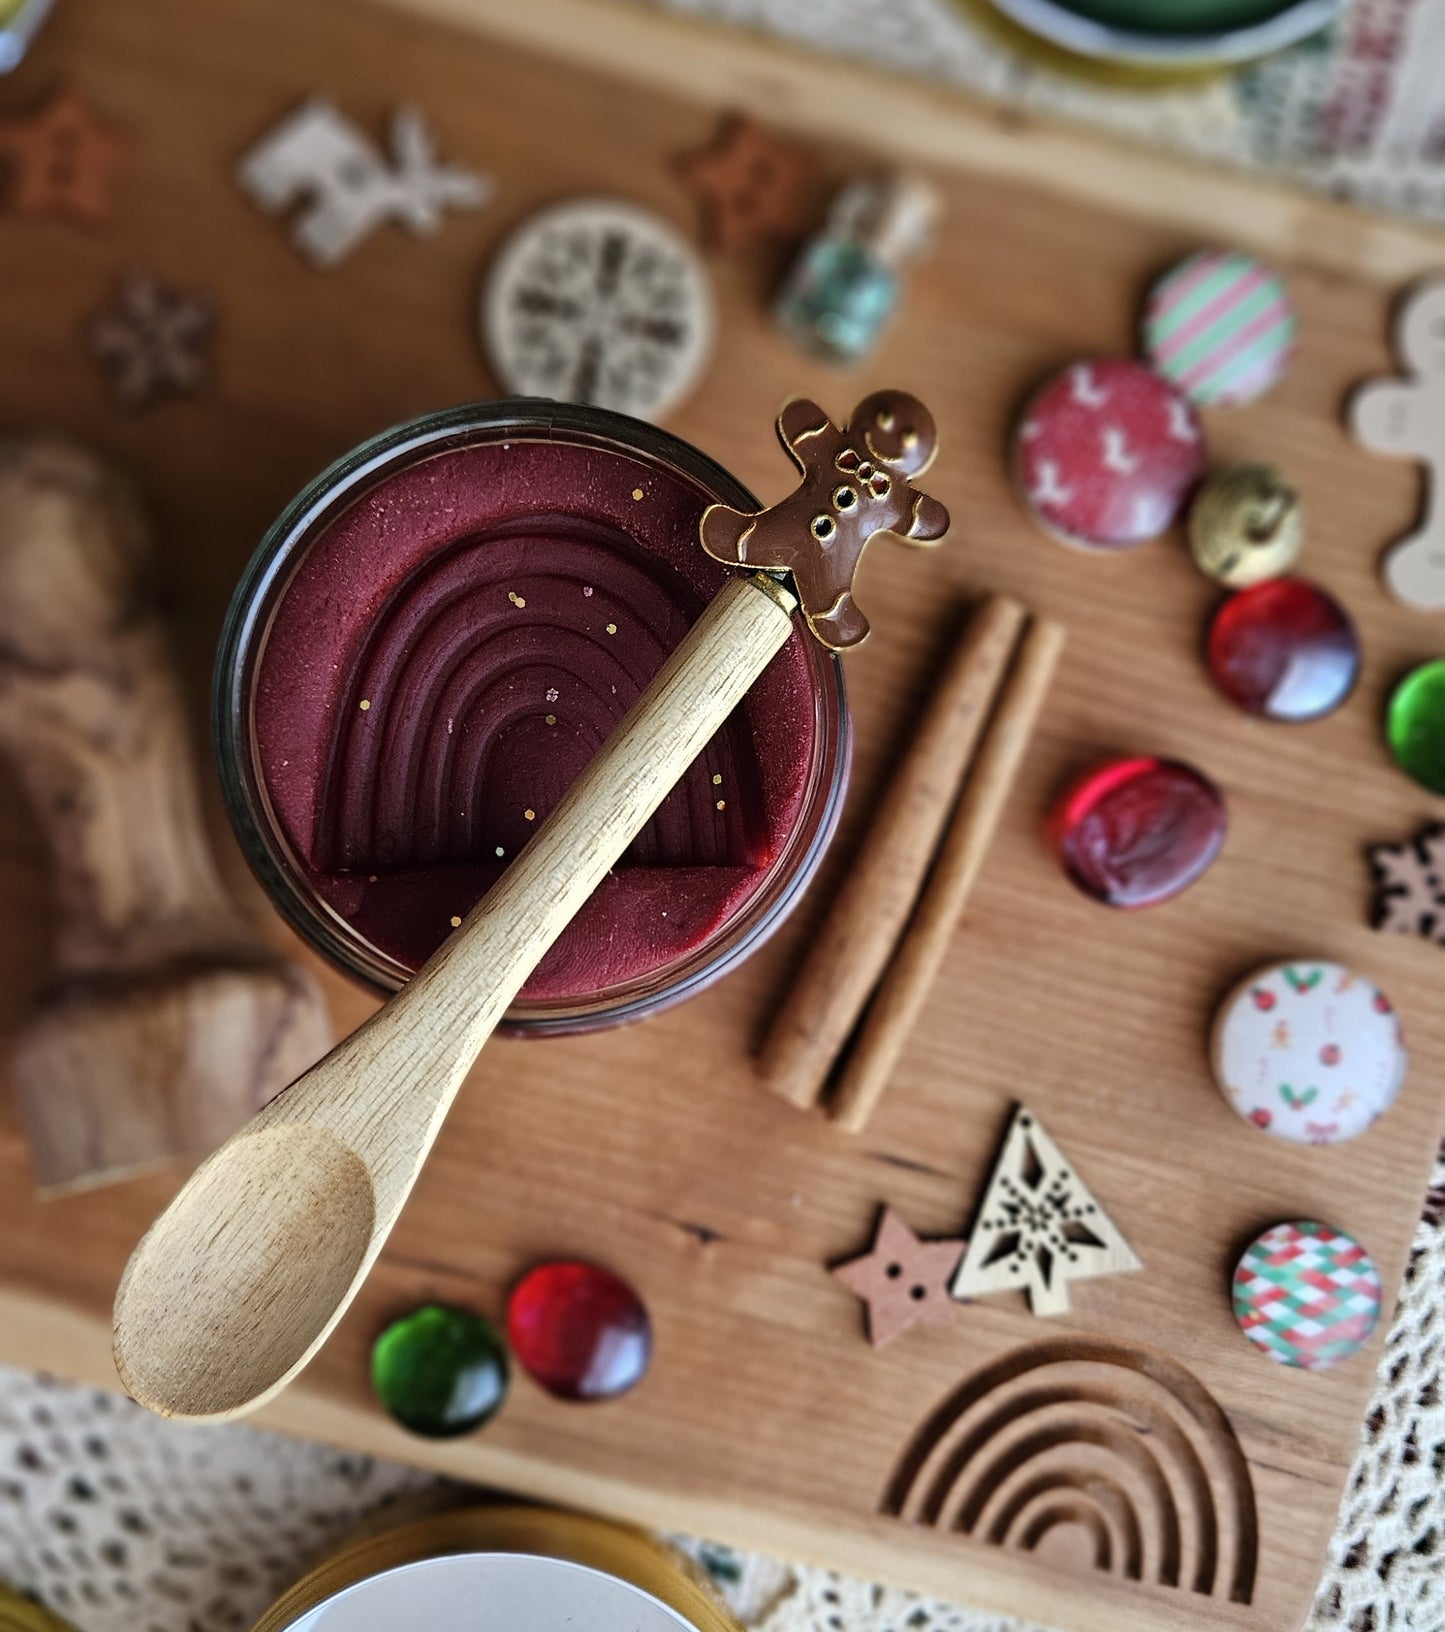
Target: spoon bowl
{"points": [[263, 1285]]}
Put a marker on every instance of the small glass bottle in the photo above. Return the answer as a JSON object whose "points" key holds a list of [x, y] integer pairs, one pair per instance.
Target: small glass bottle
{"points": [[844, 286]]}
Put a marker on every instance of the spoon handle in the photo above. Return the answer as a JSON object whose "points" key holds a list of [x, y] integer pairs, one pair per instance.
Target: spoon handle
{"points": [[404, 1066]]}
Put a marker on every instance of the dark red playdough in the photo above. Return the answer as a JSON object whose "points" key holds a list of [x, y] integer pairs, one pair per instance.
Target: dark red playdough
{"points": [[498, 608]]}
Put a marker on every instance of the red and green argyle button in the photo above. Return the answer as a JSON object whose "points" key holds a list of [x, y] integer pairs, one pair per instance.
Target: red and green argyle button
{"points": [[1306, 1294]]}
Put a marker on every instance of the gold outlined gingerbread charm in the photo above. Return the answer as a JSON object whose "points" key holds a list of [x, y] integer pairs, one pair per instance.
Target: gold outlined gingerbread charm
{"points": [[857, 482]]}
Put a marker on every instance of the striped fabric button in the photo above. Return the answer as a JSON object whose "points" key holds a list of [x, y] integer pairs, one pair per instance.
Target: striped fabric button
{"points": [[1307, 1295], [1220, 327]]}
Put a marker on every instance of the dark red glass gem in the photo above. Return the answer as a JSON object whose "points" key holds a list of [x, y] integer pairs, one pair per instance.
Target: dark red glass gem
{"points": [[579, 1331], [1136, 832], [1285, 650]]}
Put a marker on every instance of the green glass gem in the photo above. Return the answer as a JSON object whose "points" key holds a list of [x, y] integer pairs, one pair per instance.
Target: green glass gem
{"points": [[1415, 725], [440, 1371]]}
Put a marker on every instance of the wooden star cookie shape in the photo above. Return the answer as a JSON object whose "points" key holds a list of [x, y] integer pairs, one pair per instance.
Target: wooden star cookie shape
{"points": [[752, 185], [1410, 885], [901, 1279], [62, 161]]}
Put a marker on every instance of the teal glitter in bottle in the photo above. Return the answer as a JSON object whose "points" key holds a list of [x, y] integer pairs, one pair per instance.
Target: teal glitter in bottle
{"points": [[845, 285]]}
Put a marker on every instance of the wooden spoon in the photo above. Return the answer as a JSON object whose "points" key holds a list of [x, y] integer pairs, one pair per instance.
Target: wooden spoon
{"points": [[241, 1279]]}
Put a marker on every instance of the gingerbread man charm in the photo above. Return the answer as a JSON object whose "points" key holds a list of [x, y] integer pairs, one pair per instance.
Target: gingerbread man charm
{"points": [[1406, 417], [856, 483]]}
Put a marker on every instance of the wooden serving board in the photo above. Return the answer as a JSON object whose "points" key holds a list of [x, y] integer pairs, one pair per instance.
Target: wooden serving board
{"points": [[767, 1419]]}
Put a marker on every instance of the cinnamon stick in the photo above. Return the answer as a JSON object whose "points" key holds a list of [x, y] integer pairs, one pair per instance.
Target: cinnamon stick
{"points": [[911, 974], [874, 901]]}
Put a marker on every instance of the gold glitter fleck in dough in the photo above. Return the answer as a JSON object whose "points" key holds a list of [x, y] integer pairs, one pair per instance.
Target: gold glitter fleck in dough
{"points": [[365, 704], [456, 921], [515, 598], [611, 628], [637, 492], [530, 814], [551, 719], [717, 779], [722, 804]]}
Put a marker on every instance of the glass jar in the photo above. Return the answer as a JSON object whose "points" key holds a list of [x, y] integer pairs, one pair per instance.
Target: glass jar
{"points": [[1161, 37], [432, 639]]}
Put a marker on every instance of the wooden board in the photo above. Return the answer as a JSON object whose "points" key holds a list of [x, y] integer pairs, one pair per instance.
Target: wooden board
{"points": [[767, 1419]]}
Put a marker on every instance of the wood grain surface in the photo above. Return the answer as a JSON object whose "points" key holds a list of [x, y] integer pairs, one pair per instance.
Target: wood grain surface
{"points": [[655, 1149]]}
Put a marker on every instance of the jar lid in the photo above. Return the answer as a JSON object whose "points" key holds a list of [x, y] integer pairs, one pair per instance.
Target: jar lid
{"points": [[529, 1569], [19, 1614], [514, 1590]]}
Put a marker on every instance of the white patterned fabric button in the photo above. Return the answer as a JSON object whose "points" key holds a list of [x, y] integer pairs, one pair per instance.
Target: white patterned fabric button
{"points": [[598, 301], [1309, 1052]]}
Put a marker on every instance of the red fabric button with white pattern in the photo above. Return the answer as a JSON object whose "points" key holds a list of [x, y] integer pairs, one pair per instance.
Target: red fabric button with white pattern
{"points": [[1107, 454]]}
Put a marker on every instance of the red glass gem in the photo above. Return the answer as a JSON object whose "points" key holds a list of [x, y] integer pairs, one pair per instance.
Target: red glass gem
{"points": [[1135, 832], [579, 1331], [1284, 649]]}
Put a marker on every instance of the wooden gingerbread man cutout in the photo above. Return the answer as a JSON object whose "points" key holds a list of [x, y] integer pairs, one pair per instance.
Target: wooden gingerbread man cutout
{"points": [[856, 484], [1406, 418]]}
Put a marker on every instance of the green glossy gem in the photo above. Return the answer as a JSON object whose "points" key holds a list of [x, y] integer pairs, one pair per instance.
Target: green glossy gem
{"points": [[1415, 725], [440, 1371]]}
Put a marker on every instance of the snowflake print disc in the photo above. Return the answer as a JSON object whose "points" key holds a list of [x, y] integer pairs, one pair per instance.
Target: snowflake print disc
{"points": [[1309, 1052], [601, 302], [1107, 454]]}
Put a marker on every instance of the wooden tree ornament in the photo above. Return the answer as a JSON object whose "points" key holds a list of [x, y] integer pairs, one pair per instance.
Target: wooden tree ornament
{"points": [[166, 1022], [1039, 1226]]}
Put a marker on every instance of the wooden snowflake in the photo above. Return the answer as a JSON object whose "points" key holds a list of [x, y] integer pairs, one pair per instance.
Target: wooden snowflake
{"points": [[1039, 1227], [152, 343], [1410, 885]]}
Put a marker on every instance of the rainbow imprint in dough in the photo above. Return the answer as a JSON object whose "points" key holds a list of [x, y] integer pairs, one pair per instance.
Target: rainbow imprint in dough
{"points": [[1090, 1454], [1220, 327]]}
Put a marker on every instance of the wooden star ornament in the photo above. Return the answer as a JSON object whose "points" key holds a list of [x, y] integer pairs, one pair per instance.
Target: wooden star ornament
{"points": [[1410, 885], [752, 185], [901, 1279], [62, 161]]}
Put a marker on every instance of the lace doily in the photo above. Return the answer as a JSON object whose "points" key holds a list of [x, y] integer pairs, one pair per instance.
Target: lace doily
{"points": [[1358, 112], [124, 1523]]}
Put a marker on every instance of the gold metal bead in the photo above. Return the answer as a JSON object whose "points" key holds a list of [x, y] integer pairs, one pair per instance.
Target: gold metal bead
{"points": [[1246, 524]]}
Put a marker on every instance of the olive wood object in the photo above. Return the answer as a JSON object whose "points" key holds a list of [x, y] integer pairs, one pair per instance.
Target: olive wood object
{"points": [[166, 1022]]}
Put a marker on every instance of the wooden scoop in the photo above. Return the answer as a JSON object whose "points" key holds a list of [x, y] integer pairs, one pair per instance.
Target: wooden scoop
{"points": [[242, 1278]]}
